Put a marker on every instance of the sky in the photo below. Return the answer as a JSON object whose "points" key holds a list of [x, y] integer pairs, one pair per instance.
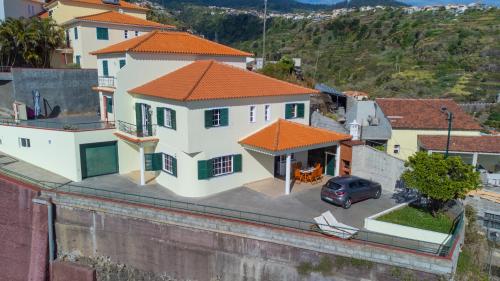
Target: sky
{"points": [[416, 2]]}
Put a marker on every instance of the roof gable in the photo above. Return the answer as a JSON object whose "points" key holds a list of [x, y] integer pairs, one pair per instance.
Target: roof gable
{"points": [[173, 42], [425, 114], [122, 4], [206, 80]]}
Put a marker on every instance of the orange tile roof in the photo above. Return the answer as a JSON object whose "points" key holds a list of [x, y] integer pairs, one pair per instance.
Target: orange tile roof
{"points": [[120, 18], [285, 135], [43, 15], [208, 79], [485, 144], [122, 4], [171, 42]]}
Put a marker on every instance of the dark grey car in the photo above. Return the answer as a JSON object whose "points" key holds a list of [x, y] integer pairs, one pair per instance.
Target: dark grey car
{"points": [[345, 190]]}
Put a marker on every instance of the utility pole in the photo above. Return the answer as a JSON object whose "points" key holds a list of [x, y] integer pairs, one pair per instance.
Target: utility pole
{"points": [[264, 35], [450, 121]]}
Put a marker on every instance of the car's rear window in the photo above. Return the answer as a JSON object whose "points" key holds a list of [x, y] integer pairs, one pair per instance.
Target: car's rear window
{"points": [[333, 185]]}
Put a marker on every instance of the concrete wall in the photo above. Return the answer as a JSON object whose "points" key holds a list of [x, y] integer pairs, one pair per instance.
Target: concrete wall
{"points": [[195, 247], [68, 89], [54, 150], [370, 163], [19, 8]]}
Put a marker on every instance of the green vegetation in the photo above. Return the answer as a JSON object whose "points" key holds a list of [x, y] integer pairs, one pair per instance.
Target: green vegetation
{"points": [[494, 117], [472, 259], [29, 42], [440, 179], [419, 218]]}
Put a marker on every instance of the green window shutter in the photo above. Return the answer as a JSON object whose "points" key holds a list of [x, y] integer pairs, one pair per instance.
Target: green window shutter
{"points": [[204, 169], [224, 116], [105, 71], [76, 33], [288, 111], [122, 63], [109, 105], [208, 118], [174, 166], [237, 163], [160, 111], [78, 60], [153, 161], [174, 119], [138, 118], [102, 33], [300, 110]]}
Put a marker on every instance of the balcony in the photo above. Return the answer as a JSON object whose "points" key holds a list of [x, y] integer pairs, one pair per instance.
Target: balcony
{"points": [[107, 81], [144, 131], [68, 124]]}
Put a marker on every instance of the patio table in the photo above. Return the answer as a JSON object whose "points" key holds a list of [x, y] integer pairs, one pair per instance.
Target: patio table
{"points": [[307, 171]]}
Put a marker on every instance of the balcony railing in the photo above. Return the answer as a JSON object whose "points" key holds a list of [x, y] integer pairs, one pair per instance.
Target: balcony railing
{"points": [[131, 129], [60, 126], [107, 81]]}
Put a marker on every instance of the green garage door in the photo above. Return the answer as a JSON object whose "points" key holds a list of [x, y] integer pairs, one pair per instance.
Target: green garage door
{"points": [[99, 158]]}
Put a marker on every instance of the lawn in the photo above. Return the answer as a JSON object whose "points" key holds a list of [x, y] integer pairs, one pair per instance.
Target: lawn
{"points": [[418, 218]]}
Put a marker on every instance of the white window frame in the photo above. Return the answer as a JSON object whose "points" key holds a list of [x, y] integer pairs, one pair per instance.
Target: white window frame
{"points": [[397, 149], [167, 163], [125, 34], [253, 114], [223, 165], [216, 117], [27, 142], [267, 112], [295, 110], [167, 118]]}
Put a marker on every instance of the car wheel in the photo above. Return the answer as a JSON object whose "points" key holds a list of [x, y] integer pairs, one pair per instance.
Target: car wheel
{"points": [[378, 194], [347, 204]]}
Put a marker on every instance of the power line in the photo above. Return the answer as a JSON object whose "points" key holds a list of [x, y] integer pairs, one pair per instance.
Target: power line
{"points": [[264, 35]]}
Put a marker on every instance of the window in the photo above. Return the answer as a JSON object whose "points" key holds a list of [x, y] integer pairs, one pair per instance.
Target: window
{"points": [[169, 164], [50, 13], [109, 104], [253, 111], [216, 117], [167, 115], [267, 112], [24, 142], [122, 63], [222, 165], [136, 33], [78, 60], [294, 110], [397, 149], [102, 33], [75, 30], [105, 71], [125, 34]]}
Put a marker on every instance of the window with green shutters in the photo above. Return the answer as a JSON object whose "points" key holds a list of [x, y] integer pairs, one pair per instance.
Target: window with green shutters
{"points": [[138, 119], [102, 33], [166, 117], [78, 60], [76, 33], [219, 166], [294, 110], [218, 117], [169, 164], [109, 104], [105, 71], [153, 161], [122, 63]]}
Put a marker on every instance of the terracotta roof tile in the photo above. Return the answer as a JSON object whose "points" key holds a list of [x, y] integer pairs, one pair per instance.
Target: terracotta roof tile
{"points": [[205, 80], [172, 42], [120, 18], [425, 114], [285, 135], [122, 4], [43, 15], [486, 144]]}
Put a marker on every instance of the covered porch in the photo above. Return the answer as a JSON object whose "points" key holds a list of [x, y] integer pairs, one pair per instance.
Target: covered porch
{"points": [[302, 155]]}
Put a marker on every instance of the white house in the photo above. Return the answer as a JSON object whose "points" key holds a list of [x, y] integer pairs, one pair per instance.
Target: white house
{"points": [[20, 8], [89, 33]]}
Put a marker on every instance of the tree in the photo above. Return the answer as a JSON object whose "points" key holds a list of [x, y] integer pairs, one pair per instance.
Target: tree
{"points": [[440, 179]]}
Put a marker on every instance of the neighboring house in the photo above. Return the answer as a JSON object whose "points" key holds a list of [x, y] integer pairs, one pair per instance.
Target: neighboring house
{"points": [[209, 127], [93, 32], [482, 152], [410, 118], [365, 121], [131, 63], [63, 11], [20, 8]]}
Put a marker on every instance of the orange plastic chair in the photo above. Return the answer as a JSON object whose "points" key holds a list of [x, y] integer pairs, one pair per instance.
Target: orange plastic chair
{"points": [[298, 175]]}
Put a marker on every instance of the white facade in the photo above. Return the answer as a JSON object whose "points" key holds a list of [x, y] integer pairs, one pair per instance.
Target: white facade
{"points": [[83, 39], [20, 8]]}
